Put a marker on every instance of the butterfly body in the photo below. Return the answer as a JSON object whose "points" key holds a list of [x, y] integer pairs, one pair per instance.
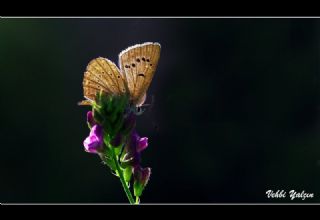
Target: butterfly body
{"points": [[137, 65]]}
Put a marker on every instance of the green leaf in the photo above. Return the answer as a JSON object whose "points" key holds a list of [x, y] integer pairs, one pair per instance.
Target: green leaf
{"points": [[108, 102], [127, 173], [111, 164], [107, 127], [97, 115], [106, 138], [117, 150], [137, 188], [115, 114], [118, 124], [107, 152]]}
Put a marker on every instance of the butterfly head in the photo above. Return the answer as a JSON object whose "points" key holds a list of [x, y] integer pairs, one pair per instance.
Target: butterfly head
{"points": [[139, 110]]}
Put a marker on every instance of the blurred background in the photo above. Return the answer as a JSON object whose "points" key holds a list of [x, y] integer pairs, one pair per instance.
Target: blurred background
{"points": [[236, 109]]}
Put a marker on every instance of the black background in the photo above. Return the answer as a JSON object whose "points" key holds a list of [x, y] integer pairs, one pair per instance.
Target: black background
{"points": [[236, 109]]}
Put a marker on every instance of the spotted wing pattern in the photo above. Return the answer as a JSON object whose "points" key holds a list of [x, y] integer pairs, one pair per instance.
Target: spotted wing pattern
{"points": [[138, 65]]}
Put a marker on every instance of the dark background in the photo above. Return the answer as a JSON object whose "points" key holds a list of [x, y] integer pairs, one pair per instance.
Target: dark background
{"points": [[236, 109]]}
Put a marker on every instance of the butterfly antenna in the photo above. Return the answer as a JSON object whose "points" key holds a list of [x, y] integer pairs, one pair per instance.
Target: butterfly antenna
{"points": [[151, 104], [154, 124], [152, 101]]}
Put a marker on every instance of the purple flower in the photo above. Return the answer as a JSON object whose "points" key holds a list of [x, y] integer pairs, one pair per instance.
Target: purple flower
{"points": [[142, 144], [94, 143], [134, 148], [139, 143], [90, 119]]}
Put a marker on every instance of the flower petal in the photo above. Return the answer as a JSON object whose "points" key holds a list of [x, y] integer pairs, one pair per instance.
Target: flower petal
{"points": [[142, 144], [94, 142], [97, 131]]}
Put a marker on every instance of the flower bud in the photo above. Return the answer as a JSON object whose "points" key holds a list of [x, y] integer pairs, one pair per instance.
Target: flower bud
{"points": [[90, 120], [142, 144], [141, 177]]}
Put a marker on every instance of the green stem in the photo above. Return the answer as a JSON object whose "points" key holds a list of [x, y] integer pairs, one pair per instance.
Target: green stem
{"points": [[123, 182], [137, 200]]}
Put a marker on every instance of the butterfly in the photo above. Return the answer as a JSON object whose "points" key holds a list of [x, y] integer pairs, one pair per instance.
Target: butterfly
{"points": [[137, 65]]}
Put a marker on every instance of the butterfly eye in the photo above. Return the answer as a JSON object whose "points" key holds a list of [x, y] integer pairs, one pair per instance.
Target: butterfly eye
{"points": [[133, 65], [138, 60], [143, 59]]}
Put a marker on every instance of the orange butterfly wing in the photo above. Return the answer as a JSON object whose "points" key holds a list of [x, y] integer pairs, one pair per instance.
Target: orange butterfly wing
{"points": [[138, 65], [102, 74]]}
